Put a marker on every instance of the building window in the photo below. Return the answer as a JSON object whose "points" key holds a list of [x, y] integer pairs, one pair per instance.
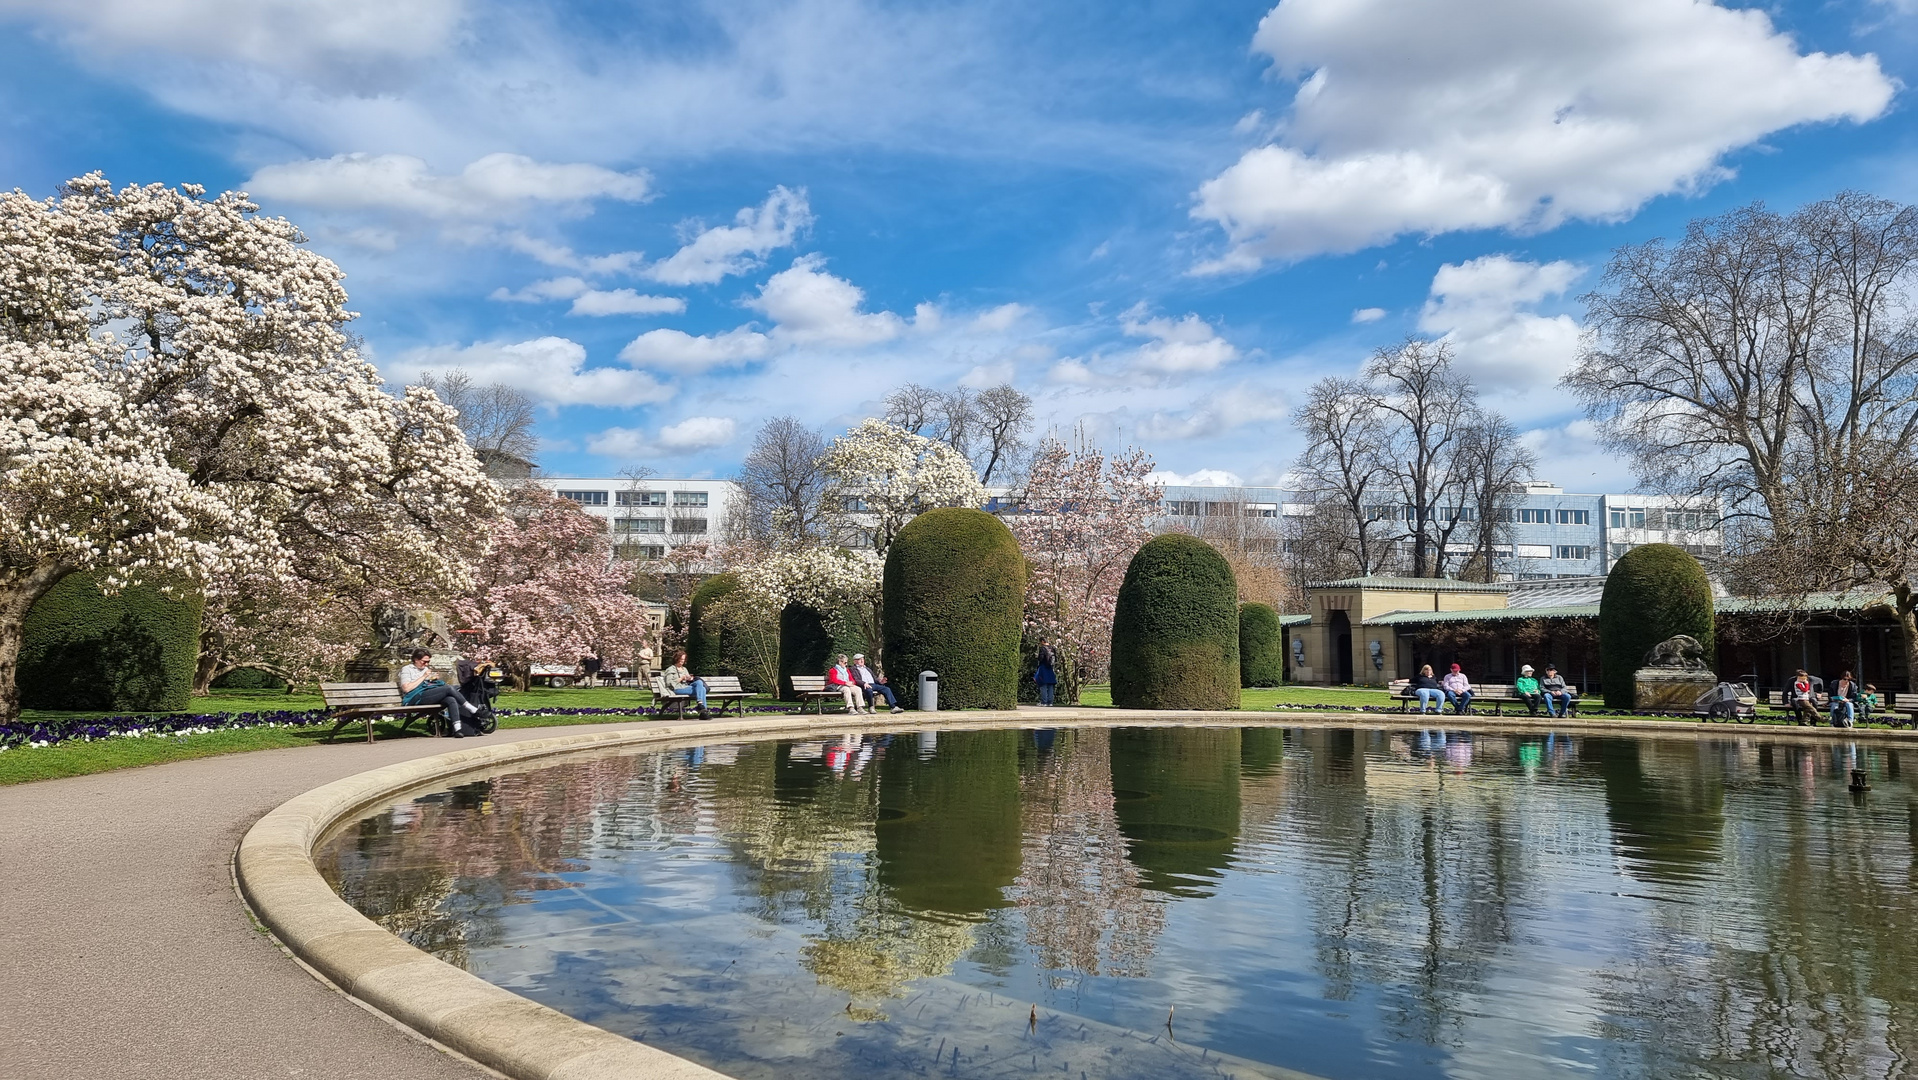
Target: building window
{"points": [[689, 498], [1535, 577], [1689, 520], [585, 498], [1261, 510], [1580, 552], [689, 525], [1619, 550], [1574, 517], [1527, 516], [642, 498], [1628, 517], [1184, 508], [639, 525], [1533, 551], [1262, 546], [639, 551]]}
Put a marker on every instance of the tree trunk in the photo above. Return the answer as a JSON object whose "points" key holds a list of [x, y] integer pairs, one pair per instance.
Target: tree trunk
{"points": [[1905, 610], [18, 591], [204, 672]]}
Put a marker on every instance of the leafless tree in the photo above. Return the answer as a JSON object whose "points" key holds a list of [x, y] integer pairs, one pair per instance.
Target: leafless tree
{"points": [[1249, 535], [1003, 421], [1341, 474], [497, 419], [1428, 407], [955, 420], [781, 483], [1492, 462], [1771, 361], [913, 407]]}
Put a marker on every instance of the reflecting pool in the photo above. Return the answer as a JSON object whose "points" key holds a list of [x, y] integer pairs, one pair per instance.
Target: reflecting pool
{"points": [[1186, 902]]}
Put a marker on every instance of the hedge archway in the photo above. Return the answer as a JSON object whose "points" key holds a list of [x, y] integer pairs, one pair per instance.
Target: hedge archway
{"points": [[955, 588], [1175, 635], [1654, 592], [1261, 646], [805, 646], [135, 650], [705, 641]]}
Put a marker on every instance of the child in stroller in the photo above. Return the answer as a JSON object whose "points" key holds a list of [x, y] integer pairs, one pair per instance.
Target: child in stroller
{"points": [[479, 683]]}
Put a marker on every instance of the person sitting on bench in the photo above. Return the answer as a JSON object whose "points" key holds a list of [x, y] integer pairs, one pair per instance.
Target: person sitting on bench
{"points": [[840, 677], [1458, 690], [678, 680], [1558, 696], [873, 685], [420, 686], [1526, 687]]}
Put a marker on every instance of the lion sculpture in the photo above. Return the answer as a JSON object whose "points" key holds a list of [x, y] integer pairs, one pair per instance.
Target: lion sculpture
{"points": [[1681, 652]]}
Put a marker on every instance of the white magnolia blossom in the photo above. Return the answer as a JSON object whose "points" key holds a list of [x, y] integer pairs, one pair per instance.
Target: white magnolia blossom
{"points": [[824, 579], [895, 476], [179, 404]]}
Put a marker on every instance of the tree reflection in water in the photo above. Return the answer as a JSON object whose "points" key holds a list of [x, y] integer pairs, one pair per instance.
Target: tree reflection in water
{"points": [[1348, 902]]}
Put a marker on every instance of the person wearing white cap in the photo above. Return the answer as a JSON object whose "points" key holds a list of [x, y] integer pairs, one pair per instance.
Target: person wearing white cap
{"points": [[874, 685], [1526, 687]]}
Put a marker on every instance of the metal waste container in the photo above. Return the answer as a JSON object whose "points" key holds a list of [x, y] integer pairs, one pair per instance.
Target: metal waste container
{"points": [[928, 691]]}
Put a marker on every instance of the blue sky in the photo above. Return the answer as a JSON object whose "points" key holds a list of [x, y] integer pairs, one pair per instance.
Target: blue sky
{"points": [[669, 221]]}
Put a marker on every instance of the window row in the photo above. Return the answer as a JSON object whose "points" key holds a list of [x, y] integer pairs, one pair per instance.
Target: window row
{"points": [[637, 498], [1639, 517], [659, 525]]}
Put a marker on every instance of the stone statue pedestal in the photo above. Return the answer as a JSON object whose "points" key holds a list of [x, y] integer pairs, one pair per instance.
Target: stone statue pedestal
{"points": [[1670, 689]]}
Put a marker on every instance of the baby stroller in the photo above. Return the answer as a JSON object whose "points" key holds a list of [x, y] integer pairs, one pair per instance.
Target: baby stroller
{"points": [[1728, 701], [479, 683]]}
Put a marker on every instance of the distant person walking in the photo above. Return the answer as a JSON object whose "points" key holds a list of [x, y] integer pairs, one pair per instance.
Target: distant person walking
{"points": [[1045, 676], [1458, 690], [1526, 687], [1427, 690]]}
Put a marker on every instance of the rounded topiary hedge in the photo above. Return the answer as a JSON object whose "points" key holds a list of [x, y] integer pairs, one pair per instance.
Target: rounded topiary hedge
{"points": [[132, 651], [1261, 646], [705, 640], [1653, 592], [955, 588], [805, 646], [1175, 635]]}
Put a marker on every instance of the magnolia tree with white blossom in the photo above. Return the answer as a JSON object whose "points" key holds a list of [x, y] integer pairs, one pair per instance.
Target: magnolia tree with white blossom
{"points": [[293, 628], [878, 477], [181, 406], [549, 590], [1082, 517], [827, 580]]}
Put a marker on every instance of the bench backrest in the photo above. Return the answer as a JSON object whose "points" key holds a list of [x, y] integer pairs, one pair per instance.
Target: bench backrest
{"points": [[342, 694], [809, 683]]}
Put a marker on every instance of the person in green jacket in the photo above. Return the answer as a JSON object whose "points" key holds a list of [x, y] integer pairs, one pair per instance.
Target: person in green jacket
{"points": [[1526, 687]]}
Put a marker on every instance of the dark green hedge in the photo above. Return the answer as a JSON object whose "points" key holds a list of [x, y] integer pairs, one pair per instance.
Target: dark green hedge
{"points": [[705, 641], [1175, 635], [955, 587], [805, 646], [247, 678], [1652, 593], [133, 651], [1261, 646]]}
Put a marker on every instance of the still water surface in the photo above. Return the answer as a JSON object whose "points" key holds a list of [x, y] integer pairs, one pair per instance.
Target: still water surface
{"points": [[1343, 903]]}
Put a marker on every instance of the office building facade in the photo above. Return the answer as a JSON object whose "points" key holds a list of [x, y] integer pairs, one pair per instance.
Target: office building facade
{"points": [[650, 518]]}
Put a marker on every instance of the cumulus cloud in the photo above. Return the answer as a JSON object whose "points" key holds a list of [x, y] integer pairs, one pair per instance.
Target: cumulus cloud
{"points": [[810, 306], [550, 369], [1176, 347], [1367, 314], [1196, 478], [1418, 118], [1481, 308], [737, 248], [691, 435], [590, 301], [680, 351], [492, 187]]}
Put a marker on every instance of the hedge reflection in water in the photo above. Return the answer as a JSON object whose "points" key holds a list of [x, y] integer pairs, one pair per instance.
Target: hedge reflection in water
{"points": [[1350, 903]]}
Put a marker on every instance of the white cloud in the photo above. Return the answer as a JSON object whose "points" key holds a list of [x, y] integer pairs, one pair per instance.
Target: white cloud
{"points": [[697, 433], [1367, 314], [1072, 372], [680, 351], [1197, 478], [1176, 347], [1426, 118], [735, 249], [811, 306], [624, 302], [551, 369], [548, 252], [539, 292], [495, 186], [1479, 307], [997, 320]]}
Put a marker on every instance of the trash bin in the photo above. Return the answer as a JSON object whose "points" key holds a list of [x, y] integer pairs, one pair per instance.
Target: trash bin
{"points": [[928, 691]]}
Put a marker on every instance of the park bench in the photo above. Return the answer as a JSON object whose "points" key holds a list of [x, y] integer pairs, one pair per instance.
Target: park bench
{"points": [[810, 688], [720, 689], [1498, 695], [1776, 699], [350, 701], [1901, 703]]}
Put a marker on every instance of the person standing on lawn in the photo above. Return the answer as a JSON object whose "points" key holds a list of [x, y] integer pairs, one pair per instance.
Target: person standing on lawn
{"points": [[1045, 676]]}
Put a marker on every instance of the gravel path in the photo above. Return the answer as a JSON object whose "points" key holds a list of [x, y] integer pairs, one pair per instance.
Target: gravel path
{"points": [[125, 953]]}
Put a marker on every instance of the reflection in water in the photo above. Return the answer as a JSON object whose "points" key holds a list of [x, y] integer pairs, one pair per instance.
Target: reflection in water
{"points": [[1350, 903]]}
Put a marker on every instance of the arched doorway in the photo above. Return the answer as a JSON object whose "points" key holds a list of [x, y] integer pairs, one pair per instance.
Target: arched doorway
{"points": [[1339, 628]]}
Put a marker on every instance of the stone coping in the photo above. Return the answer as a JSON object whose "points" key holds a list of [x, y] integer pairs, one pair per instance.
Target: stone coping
{"points": [[502, 1031]]}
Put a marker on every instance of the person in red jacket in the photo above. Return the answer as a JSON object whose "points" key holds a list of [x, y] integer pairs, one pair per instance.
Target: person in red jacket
{"points": [[840, 675]]}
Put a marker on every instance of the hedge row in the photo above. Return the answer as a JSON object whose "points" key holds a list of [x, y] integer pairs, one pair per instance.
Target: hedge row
{"points": [[85, 650], [1261, 646]]}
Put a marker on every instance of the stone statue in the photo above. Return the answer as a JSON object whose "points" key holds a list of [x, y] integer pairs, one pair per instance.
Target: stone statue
{"points": [[1679, 653]]}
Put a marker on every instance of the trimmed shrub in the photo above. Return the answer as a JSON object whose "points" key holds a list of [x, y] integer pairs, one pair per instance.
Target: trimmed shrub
{"points": [[1261, 646], [1653, 592], [705, 641], [247, 678], [1175, 635], [955, 587], [135, 650], [804, 646]]}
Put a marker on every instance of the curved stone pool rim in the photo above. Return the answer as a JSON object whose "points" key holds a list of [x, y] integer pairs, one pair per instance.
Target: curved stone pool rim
{"points": [[497, 1029]]}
